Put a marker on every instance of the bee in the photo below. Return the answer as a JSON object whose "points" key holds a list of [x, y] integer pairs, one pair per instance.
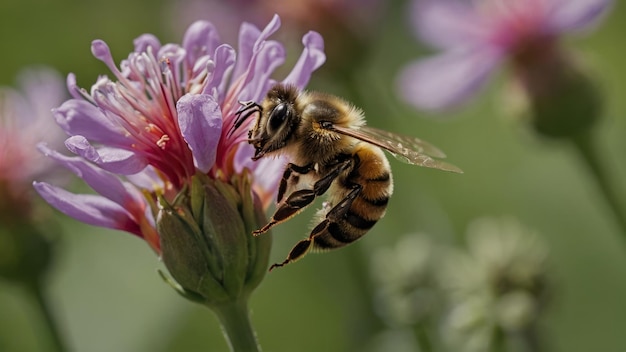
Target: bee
{"points": [[332, 151]]}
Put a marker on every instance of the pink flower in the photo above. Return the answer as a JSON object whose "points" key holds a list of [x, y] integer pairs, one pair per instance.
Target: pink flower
{"points": [[25, 120], [164, 118], [476, 37]]}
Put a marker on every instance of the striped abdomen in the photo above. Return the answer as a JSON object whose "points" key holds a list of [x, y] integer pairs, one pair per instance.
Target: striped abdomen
{"points": [[372, 174]]}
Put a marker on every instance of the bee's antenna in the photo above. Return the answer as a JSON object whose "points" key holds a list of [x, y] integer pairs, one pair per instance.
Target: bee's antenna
{"points": [[248, 108]]}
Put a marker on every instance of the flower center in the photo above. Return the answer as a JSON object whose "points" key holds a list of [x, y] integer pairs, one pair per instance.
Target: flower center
{"points": [[519, 27]]}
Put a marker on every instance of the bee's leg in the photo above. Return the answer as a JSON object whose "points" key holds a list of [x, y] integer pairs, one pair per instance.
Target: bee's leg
{"points": [[337, 212], [288, 175], [248, 108], [298, 200]]}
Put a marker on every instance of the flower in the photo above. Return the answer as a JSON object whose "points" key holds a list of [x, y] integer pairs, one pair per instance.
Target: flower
{"points": [[404, 277], [477, 36], [497, 286], [154, 143], [25, 119]]}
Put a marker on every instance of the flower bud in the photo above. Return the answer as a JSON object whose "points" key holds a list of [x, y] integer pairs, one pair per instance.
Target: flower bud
{"points": [[560, 98], [207, 242]]}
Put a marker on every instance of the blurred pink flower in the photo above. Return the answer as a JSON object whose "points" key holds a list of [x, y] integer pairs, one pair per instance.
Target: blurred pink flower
{"points": [[25, 120], [477, 36]]}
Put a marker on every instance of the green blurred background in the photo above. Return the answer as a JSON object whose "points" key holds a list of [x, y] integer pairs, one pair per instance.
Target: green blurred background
{"points": [[105, 288]]}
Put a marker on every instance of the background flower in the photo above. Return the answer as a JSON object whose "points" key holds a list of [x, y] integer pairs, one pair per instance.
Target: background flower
{"points": [[477, 36], [495, 291], [25, 120], [27, 233]]}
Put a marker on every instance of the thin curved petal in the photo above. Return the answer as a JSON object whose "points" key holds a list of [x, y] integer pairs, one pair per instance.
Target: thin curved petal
{"points": [[200, 39], [105, 183], [270, 56], [311, 59], [200, 120], [90, 209], [145, 41], [119, 161], [148, 178], [448, 24], [446, 80], [250, 41], [575, 15], [78, 117], [224, 60]]}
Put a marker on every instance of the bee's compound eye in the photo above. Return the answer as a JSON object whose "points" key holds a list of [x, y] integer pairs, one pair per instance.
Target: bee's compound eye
{"points": [[277, 117]]}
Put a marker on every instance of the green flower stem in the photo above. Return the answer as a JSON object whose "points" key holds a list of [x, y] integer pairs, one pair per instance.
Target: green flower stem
{"points": [[532, 340], [235, 320], [422, 335], [498, 342], [586, 148], [41, 304]]}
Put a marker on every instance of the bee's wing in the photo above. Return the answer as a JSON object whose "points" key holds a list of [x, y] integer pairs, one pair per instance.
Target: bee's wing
{"points": [[407, 149]]}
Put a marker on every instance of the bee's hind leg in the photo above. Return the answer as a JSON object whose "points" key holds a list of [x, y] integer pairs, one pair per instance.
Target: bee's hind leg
{"points": [[339, 211]]}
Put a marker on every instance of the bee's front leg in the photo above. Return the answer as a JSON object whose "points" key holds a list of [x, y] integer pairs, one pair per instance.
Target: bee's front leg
{"points": [[289, 177]]}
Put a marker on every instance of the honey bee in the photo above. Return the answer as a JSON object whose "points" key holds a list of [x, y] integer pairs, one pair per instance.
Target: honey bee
{"points": [[331, 150]]}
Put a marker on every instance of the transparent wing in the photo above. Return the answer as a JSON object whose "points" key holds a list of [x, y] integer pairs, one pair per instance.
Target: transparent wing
{"points": [[407, 149]]}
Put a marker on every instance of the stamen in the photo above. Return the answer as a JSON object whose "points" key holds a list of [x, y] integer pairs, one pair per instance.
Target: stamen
{"points": [[163, 141]]}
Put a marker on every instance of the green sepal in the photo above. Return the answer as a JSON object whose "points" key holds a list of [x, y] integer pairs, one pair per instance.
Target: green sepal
{"points": [[181, 245], [192, 296], [224, 227], [259, 247]]}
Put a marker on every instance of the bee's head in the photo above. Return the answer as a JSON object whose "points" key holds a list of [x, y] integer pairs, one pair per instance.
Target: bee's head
{"points": [[277, 122]]}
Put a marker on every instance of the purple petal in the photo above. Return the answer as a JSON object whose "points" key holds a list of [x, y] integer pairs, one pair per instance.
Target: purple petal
{"points": [[250, 41], [270, 56], [148, 178], [448, 24], [270, 29], [118, 161], [78, 117], [448, 79], [72, 87], [267, 172], [312, 58], [105, 183], [90, 209], [101, 51], [248, 34], [201, 39], [574, 15], [200, 120], [224, 60], [145, 41]]}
